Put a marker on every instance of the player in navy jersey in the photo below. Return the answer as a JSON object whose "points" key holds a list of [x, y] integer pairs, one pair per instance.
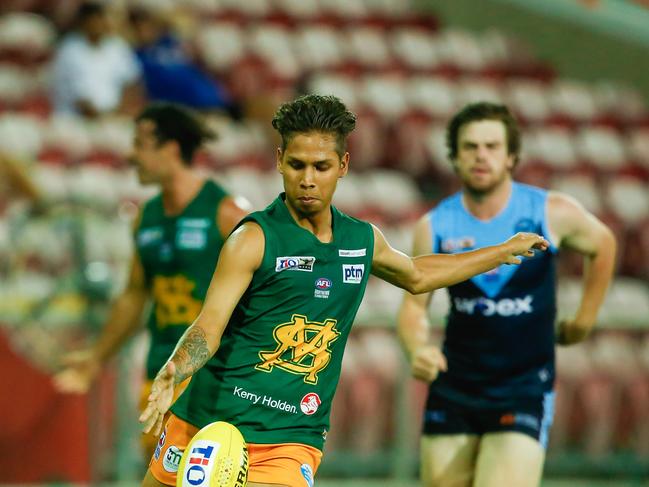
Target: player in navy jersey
{"points": [[490, 403]]}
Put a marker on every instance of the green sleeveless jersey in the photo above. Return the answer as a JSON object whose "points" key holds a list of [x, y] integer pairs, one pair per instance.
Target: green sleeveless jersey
{"points": [[277, 368], [178, 254]]}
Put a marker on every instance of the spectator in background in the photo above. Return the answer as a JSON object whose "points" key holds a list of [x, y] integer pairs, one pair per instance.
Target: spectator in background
{"points": [[169, 72], [94, 72]]}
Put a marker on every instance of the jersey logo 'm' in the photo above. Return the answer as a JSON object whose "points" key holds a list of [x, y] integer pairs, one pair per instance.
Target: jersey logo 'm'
{"points": [[174, 300], [302, 347]]}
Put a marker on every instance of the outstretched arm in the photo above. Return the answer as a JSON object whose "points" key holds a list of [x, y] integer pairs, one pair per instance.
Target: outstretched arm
{"points": [[576, 229], [240, 257], [433, 271]]}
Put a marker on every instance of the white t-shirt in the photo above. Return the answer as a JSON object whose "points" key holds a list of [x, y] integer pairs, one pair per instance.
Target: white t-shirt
{"points": [[97, 73]]}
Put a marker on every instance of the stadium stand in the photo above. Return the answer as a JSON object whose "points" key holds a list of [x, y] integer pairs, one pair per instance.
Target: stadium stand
{"points": [[404, 75]]}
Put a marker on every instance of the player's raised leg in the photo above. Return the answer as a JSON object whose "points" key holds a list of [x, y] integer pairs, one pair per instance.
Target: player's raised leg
{"points": [[511, 458], [448, 460]]}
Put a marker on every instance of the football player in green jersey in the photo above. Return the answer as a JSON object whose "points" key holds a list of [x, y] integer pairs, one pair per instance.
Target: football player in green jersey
{"points": [[284, 295], [178, 237]]}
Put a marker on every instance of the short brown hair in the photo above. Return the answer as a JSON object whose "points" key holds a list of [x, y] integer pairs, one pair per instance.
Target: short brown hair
{"points": [[476, 112]]}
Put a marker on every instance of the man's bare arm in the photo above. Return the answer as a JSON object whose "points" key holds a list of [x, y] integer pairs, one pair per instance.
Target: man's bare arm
{"points": [[412, 321], [125, 317], [433, 271], [576, 229], [413, 327], [240, 257]]}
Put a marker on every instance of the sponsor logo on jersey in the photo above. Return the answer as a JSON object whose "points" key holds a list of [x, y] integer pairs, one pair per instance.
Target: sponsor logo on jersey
{"points": [[302, 347], [264, 400], [161, 443], [199, 464], [171, 460], [525, 225], [322, 286], [310, 403], [352, 253], [353, 273], [191, 239], [454, 244], [294, 263], [307, 473], [323, 283], [489, 307], [194, 222], [148, 236], [174, 300]]}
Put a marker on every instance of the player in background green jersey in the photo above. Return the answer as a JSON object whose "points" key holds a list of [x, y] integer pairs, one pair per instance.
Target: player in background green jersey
{"points": [[178, 237], [271, 332]]}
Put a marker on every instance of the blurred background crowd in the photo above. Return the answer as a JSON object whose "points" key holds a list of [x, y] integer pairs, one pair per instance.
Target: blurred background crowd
{"points": [[73, 75]]}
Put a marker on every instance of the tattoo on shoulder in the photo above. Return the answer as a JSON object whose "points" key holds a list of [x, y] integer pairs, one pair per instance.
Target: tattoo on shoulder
{"points": [[192, 353]]}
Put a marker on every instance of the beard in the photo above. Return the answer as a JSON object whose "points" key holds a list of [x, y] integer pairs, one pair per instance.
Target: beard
{"points": [[482, 185]]}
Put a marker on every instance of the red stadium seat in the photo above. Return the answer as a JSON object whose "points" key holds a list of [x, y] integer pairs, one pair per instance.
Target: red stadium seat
{"points": [[415, 48], [437, 97], [554, 145], [528, 100], [368, 47], [572, 99], [221, 45], [602, 147], [629, 199], [344, 87], [318, 46]]}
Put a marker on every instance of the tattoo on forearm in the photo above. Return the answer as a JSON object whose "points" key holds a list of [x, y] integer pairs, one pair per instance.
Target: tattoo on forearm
{"points": [[191, 354]]}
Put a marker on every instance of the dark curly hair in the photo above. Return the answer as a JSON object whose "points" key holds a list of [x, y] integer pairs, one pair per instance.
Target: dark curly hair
{"points": [[178, 123], [315, 113], [476, 112]]}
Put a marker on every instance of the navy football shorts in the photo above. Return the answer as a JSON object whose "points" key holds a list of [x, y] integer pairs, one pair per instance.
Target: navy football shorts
{"points": [[530, 417]]}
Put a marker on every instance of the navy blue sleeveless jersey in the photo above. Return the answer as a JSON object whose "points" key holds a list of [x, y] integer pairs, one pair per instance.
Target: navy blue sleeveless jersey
{"points": [[499, 339]]}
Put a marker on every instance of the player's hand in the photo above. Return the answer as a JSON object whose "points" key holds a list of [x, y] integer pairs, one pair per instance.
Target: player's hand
{"points": [[570, 332], [523, 244], [79, 371], [426, 362], [159, 401]]}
